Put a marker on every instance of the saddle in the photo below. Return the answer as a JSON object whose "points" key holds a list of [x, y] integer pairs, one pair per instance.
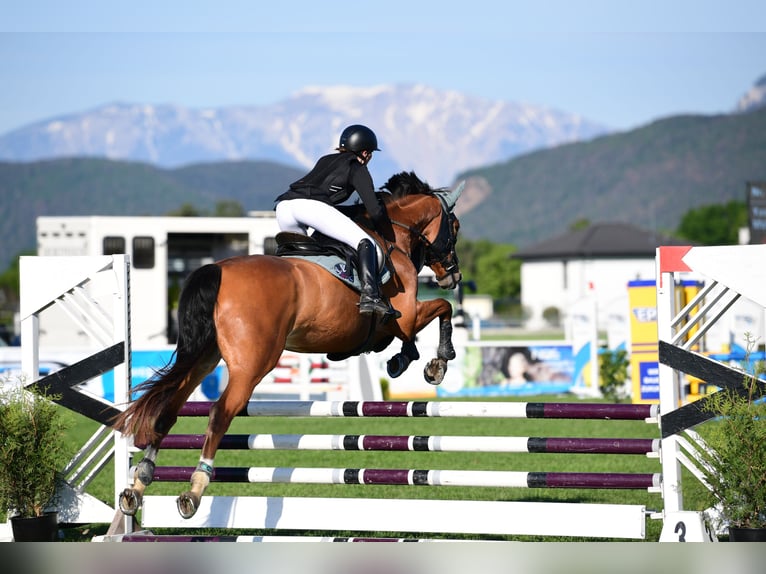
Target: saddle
{"points": [[340, 260], [335, 256], [297, 244]]}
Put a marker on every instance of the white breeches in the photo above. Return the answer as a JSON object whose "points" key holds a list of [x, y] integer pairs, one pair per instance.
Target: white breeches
{"points": [[297, 215]]}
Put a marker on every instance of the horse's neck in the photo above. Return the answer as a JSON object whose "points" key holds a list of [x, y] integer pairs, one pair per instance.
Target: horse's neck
{"points": [[414, 212]]}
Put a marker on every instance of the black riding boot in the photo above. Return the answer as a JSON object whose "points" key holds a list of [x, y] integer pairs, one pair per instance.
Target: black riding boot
{"points": [[371, 300]]}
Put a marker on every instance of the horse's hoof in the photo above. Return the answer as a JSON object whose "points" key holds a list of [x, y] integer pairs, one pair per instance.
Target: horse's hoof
{"points": [[130, 502], [434, 371], [187, 505]]}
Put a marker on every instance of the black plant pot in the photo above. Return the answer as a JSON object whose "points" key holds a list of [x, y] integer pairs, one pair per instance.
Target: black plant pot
{"points": [[43, 528], [747, 534]]}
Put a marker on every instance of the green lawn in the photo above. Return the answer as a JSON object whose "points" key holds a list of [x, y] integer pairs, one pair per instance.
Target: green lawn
{"points": [[102, 487]]}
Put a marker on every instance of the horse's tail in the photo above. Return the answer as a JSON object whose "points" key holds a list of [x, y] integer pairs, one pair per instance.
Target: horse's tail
{"points": [[196, 337]]}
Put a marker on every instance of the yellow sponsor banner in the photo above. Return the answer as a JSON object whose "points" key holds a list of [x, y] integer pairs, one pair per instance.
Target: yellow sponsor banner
{"points": [[644, 353], [644, 358]]}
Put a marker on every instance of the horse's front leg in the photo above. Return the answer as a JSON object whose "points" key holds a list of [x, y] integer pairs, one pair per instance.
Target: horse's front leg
{"points": [[401, 361], [427, 311], [445, 350], [436, 368]]}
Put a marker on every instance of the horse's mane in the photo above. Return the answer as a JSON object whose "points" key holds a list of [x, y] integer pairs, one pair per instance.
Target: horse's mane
{"points": [[398, 186], [405, 183]]}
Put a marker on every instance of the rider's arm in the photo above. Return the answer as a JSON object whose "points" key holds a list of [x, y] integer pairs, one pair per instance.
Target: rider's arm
{"points": [[362, 182]]}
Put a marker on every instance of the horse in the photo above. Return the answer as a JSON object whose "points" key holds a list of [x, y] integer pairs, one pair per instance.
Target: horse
{"points": [[247, 309]]}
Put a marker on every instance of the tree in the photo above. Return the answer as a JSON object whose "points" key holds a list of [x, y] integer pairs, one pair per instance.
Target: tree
{"points": [[489, 265], [714, 224], [469, 253], [579, 224], [229, 208], [500, 275], [186, 210], [223, 208], [9, 291]]}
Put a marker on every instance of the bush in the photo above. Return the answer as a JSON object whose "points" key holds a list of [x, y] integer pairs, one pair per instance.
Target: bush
{"points": [[32, 450], [552, 316], [613, 373], [735, 464]]}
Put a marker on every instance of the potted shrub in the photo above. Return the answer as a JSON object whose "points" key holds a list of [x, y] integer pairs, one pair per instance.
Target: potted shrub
{"points": [[32, 452], [734, 465]]}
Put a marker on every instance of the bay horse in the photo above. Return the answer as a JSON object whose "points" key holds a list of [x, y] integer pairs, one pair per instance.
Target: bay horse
{"points": [[246, 310]]}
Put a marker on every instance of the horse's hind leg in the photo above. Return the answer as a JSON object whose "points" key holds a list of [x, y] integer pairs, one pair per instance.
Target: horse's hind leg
{"points": [[229, 404], [131, 498], [232, 401]]}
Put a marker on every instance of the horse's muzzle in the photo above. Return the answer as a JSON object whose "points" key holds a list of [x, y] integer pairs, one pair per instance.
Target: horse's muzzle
{"points": [[450, 280]]}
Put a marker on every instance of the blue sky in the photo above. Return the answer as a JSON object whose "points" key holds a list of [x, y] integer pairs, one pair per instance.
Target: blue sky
{"points": [[621, 63]]}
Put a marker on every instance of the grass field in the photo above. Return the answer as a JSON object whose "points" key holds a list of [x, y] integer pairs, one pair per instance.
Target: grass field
{"points": [[80, 430]]}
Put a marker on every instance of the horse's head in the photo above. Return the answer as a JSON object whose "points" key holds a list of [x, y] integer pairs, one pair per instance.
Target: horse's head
{"points": [[441, 256], [434, 229]]}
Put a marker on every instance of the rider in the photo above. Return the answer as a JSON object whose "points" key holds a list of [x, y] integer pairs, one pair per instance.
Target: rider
{"points": [[310, 202]]}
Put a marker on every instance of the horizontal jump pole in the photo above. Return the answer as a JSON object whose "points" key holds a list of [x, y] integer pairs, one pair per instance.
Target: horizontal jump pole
{"points": [[385, 476], [419, 443], [416, 516], [518, 410], [139, 537]]}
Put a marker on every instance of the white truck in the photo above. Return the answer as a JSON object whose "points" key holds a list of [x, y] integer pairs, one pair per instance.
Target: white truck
{"points": [[163, 251]]}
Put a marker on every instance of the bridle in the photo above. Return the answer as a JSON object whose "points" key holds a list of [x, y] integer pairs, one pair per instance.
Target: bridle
{"points": [[442, 249]]}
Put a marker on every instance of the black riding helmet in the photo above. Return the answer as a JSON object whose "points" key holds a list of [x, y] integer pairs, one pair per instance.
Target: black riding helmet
{"points": [[358, 138]]}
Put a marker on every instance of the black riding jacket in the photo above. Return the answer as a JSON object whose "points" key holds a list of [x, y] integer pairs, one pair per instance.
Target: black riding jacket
{"points": [[333, 179]]}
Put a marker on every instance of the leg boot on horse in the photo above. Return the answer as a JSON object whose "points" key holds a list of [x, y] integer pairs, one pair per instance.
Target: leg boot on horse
{"points": [[371, 300]]}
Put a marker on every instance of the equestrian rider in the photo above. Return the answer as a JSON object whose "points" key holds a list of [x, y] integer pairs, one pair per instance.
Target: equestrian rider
{"points": [[310, 202]]}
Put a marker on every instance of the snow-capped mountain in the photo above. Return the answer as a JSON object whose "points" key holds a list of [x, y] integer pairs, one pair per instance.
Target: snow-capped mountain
{"points": [[754, 98], [435, 133]]}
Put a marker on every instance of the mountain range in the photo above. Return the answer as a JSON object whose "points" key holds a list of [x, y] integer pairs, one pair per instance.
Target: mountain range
{"points": [[533, 189], [436, 133], [650, 177]]}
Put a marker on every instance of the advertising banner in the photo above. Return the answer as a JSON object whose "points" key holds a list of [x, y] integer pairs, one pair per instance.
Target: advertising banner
{"points": [[514, 369], [644, 353], [644, 346], [146, 362]]}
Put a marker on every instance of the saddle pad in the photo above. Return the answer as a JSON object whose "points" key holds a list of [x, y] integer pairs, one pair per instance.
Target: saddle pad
{"points": [[338, 267]]}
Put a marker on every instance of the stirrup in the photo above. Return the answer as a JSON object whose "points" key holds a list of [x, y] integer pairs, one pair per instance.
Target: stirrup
{"points": [[379, 306]]}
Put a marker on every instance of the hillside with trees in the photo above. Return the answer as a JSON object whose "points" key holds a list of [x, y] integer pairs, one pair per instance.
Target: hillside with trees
{"points": [[92, 186], [649, 177]]}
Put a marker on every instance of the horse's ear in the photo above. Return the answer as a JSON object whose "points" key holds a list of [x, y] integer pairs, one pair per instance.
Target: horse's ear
{"points": [[451, 197]]}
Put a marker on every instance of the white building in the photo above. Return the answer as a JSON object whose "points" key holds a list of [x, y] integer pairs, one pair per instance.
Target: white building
{"points": [[569, 271], [599, 260]]}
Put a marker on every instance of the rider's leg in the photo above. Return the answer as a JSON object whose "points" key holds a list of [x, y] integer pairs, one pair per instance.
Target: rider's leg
{"points": [[371, 300], [328, 220], [286, 218]]}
